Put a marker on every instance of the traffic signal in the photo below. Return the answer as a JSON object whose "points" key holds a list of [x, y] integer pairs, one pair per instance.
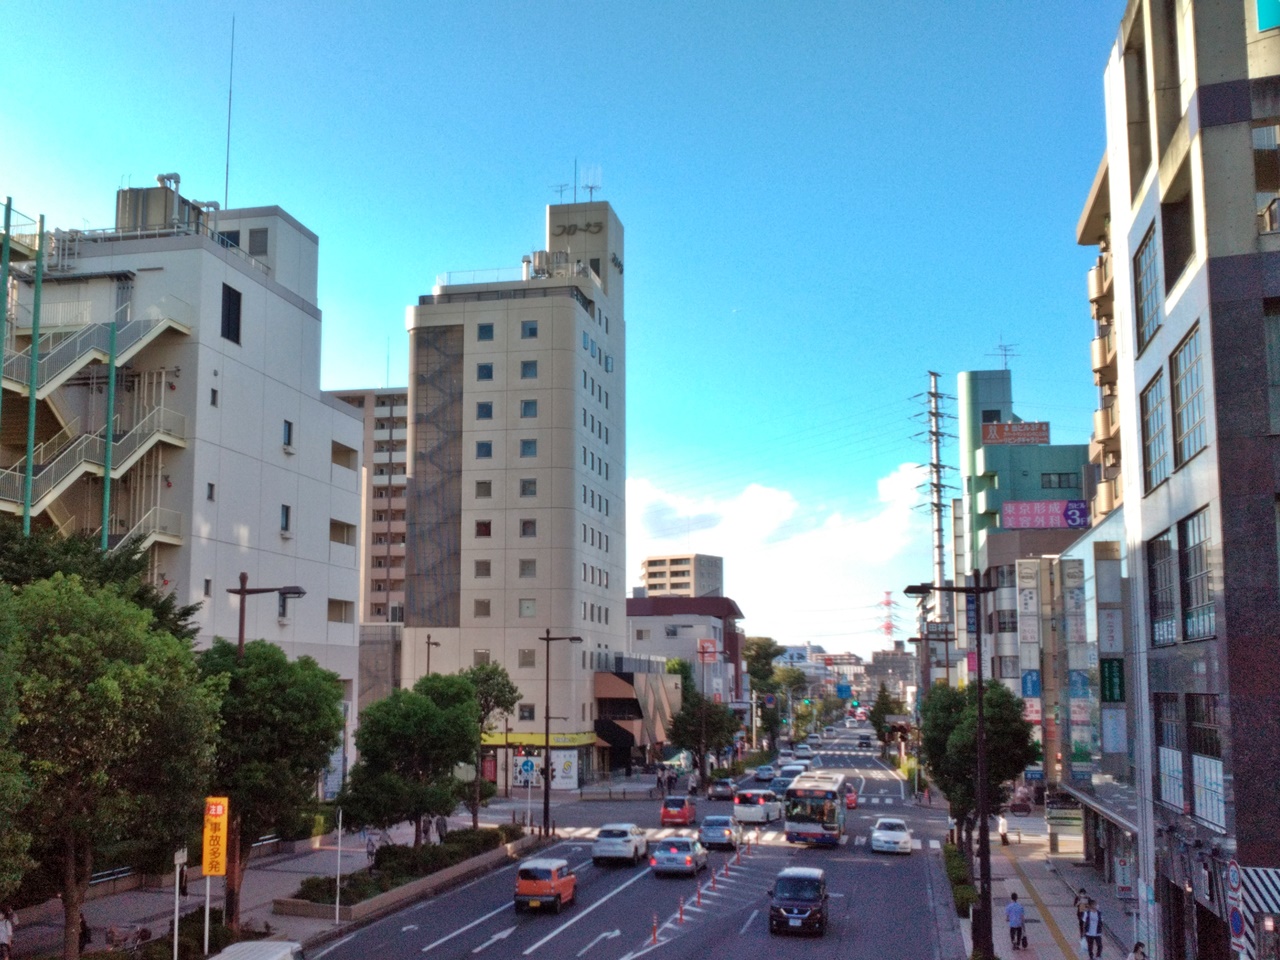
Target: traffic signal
{"points": [[807, 701], [855, 703]]}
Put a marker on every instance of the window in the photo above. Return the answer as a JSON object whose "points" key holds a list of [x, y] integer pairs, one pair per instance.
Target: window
{"points": [[484, 371], [1162, 588], [285, 517], [528, 528], [479, 658], [483, 569], [528, 608], [1196, 591], [484, 410], [1146, 286], [1006, 621], [257, 241], [642, 634], [528, 568], [528, 487], [528, 369], [480, 608], [1205, 740], [208, 588], [1010, 667], [1188, 399], [528, 448], [1059, 481], [1169, 745], [230, 238], [526, 712], [230, 314], [528, 329], [213, 397], [288, 433], [484, 489], [484, 331], [528, 409], [527, 658], [608, 364], [484, 528], [1155, 443], [672, 630], [209, 491], [484, 449]]}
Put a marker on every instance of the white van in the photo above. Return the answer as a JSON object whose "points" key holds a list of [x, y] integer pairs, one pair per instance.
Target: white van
{"points": [[263, 950]]}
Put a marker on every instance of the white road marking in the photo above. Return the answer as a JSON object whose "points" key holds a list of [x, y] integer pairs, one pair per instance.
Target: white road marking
{"points": [[412, 926], [599, 903], [473, 923], [604, 936], [331, 946], [754, 913], [494, 939]]}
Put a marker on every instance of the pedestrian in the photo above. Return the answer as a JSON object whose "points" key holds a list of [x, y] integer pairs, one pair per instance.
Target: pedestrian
{"points": [[1081, 905], [8, 923], [671, 780], [86, 934], [1139, 952], [662, 782], [182, 880], [1016, 916], [693, 783], [1002, 825], [1093, 930], [371, 850]]}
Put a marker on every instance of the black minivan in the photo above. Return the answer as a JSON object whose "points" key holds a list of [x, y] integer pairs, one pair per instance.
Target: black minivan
{"points": [[798, 901]]}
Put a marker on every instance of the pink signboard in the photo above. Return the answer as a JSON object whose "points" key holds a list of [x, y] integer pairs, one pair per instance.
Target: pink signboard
{"points": [[1044, 514], [1027, 433]]}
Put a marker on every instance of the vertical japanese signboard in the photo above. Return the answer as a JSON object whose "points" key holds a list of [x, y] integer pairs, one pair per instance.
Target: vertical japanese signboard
{"points": [[215, 836]]}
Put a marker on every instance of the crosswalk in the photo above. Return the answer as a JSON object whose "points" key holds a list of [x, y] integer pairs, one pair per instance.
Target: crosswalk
{"points": [[769, 837], [916, 843]]}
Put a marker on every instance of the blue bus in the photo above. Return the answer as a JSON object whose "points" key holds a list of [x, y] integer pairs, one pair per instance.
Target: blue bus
{"points": [[814, 808]]}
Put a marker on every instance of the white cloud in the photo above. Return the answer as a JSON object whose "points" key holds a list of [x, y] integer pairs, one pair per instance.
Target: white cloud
{"points": [[799, 572]]}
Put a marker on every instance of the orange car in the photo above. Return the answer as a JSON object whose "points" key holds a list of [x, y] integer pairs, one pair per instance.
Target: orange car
{"points": [[679, 811], [545, 883]]}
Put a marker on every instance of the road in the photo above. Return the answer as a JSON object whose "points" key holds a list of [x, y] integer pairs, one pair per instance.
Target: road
{"points": [[880, 905]]}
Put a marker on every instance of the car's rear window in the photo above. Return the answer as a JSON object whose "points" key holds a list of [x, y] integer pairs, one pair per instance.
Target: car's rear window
{"points": [[611, 835], [716, 821], [677, 846], [673, 803], [535, 873]]}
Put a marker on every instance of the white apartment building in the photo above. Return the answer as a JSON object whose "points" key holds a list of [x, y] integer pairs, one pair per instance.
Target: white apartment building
{"points": [[517, 466], [683, 575], [225, 456]]}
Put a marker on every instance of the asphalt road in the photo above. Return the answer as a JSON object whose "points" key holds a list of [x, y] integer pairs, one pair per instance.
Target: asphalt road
{"points": [[880, 905]]}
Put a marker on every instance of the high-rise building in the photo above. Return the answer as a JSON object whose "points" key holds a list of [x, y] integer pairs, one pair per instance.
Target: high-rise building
{"points": [[683, 575], [517, 465], [195, 333]]}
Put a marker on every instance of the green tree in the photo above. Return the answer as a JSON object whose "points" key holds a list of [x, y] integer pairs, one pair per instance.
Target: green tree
{"points": [[703, 727], [885, 705], [760, 652], [409, 745], [281, 721], [14, 841], [109, 711], [496, 697]]}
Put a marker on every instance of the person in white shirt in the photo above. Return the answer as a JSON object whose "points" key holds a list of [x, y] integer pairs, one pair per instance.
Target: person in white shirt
{"points": [[7, 925], [1093, 930], [1014, 913]]}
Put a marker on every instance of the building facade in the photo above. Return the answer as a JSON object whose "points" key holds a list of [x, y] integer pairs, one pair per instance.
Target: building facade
{"points": [[515, 516], [683, 575]]}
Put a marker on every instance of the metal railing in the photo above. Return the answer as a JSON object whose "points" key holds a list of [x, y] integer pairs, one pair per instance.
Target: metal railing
{"points": [[158, 521]]}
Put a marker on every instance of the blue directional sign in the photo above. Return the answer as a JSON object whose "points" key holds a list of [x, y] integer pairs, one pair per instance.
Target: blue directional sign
{"points": [[844, 691], [770, 700]]}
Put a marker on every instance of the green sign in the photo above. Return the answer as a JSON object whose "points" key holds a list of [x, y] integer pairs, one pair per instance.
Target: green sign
{"points": [[1268, 14], [1111, 671]]}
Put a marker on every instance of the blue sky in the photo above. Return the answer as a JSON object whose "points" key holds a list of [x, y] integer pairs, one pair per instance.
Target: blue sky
{"points": [[822, 202]]}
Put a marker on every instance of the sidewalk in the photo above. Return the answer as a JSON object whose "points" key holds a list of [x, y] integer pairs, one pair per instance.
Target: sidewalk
{"points": [[1046, 884]]}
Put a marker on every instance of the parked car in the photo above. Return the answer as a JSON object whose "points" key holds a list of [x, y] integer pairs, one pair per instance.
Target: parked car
{"points": [[757, 806], [677, 855], [720, 831], [679, 811], [890, 835], [765, 772], [545, 883], [721, 789], [618, 841], [798, 901]]}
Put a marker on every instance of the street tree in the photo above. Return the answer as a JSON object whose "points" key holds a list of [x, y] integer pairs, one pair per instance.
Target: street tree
{"points": [[885, 705], [703, 727], [281, 722], [759, 653], [109, 710], [496, 697], [14, 841], [409, 744]]}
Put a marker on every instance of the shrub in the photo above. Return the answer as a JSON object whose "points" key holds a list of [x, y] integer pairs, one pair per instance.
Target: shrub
{"points": [[965, 896], [510, 832], [473, 842], [956, 863]]}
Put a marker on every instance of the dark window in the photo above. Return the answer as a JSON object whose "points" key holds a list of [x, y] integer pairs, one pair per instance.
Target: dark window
{"points": [[528, 488], [528, 528], [484, 331], [258, 242], [1146, 289], [484, 528], [483, 568], [528, 369], [229, 238], [484, 410], [484, 449], [528, 329], [1169, 730], [1196, 590], [230, 314], [526, 710], [1203, 733], [288, 433], [484, 371], [484, 489], [1188, 399], [1162, 588]]}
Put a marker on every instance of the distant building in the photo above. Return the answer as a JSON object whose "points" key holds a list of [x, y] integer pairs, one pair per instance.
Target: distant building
{"points": [[683, 628], [683, 575]]}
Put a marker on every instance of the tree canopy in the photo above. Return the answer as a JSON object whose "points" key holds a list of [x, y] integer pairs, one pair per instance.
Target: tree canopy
{"points": [[885, 705], [496, 696], [759, 653]]}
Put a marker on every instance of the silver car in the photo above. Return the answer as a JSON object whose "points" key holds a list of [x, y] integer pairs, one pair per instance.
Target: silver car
{"points": [[890, 835], [720, 832], [682, 855]]}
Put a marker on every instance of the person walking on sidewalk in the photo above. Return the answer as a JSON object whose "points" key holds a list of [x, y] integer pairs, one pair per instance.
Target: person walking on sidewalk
{"points": [[1002, 825], [1093, 930], [1081, 905], [7, 925], [1016, 916], [1139, 952]]}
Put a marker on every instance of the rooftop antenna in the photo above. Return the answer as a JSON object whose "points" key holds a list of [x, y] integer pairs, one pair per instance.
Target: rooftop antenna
{"points": [[231, 73], [1005, 351], [575, 179], [592, 183], [560, 188]]}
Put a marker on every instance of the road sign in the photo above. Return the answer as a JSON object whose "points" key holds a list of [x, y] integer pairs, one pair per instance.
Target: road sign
{"points": [[527, 766], [1235, 917], [770, 700], [215, 836]]}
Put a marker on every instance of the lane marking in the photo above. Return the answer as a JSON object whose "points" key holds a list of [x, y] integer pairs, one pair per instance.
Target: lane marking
{"points": [[334, 945], [473, 923], [585, 913], [494, 939], [604, 936]]}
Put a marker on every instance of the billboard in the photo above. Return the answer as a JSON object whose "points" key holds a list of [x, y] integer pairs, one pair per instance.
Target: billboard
{"points": [[1019, 434], [1044, 514]]}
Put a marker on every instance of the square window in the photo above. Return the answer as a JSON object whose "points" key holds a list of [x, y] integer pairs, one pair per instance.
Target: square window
{"points": [[526, 712], [480, 608], [479, 657], [528, 448], [528, 528], [230, 314], [528, 369], [528, 658], [484, 489], [483, 568], [528, 408], [288, 433], [484, 449], [484, 371], [528, 488], [484, 410], [484, 331], [484, 528], [285, 516], [257, 241], [528, 568], [528, 329], [528, 608]]}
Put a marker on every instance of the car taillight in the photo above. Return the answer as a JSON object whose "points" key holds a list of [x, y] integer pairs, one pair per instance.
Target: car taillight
{"points": [[653, 861], [688, 861], [760, 800]]}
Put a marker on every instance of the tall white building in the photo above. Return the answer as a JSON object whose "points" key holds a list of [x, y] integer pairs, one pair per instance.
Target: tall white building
{"points": [[225, 456], [517, 465]]}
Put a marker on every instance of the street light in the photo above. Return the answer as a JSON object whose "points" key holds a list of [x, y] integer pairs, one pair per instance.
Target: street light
{"points": [[546, 721], [982, 940], [231, 905], [430, 643]]}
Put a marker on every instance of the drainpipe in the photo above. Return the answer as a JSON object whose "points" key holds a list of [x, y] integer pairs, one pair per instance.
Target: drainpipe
{"points": [[31, 379]]}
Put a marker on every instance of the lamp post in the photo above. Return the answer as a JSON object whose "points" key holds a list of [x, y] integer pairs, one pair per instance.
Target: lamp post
{"points": [[430, 643], [546, 725], [231, 906], [982, 939]]}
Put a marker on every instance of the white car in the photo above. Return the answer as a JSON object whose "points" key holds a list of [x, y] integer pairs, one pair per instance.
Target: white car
{"points": [[804, 751], [756, 806], [890, 835], [765, 772], [619, 841]]}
